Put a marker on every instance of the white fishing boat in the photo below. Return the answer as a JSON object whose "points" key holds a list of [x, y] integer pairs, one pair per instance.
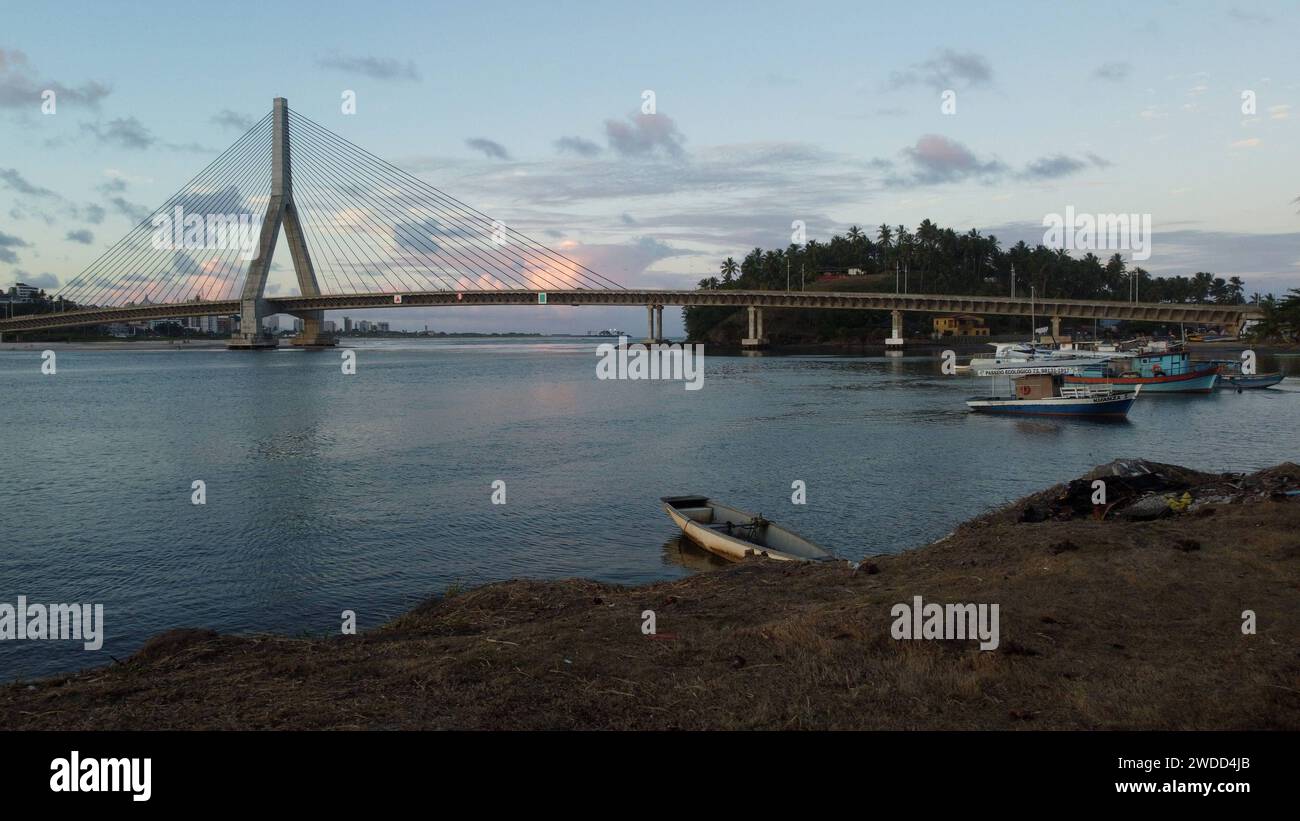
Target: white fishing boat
{"points": [[1015, 354], [1043, 390], [735, 534]]}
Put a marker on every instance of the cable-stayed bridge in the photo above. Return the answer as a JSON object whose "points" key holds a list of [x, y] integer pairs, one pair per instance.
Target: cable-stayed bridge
{"points": [[363, 233]]}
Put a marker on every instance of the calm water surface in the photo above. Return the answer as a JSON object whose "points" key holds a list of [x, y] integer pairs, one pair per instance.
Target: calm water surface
{"points": [[372, 492]]}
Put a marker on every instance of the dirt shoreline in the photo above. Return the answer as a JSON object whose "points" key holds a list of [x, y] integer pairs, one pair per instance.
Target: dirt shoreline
{"points": [[1115, 623]]}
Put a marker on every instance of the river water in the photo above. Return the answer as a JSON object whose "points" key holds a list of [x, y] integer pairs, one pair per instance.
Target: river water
{"points": [[373, 491]]}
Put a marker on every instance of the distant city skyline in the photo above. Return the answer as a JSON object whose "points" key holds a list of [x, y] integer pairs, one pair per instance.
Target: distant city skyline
{"points": [[831, 114]]}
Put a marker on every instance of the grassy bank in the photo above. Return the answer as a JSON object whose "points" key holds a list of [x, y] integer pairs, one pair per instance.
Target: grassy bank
{"points": [[1105, 623]]}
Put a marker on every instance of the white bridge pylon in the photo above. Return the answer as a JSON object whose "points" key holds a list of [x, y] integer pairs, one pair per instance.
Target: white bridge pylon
{"points": [[280, 211]]}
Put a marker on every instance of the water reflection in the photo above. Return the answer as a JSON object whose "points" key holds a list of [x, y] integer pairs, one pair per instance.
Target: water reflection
{"points": [[681, 551]]}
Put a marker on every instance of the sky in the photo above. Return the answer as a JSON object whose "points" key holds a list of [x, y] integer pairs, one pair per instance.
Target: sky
{"points": [[987, 116]]}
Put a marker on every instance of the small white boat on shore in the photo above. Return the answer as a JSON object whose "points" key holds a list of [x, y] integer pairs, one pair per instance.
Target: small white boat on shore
{"points": [[735, 534]]}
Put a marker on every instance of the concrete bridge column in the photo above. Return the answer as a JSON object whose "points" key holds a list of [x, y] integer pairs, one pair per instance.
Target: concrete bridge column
{"points": [[312, 336], [1056, 328], [650, 318], [895, 339], [755, 338], [658, 329]]}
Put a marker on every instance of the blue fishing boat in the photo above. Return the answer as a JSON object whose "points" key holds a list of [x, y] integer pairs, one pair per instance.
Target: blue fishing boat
{"points": [[1160, 370], [1044, 392]]}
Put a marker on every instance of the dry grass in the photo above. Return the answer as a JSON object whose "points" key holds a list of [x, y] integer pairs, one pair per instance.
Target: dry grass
{"points": [[1126, 630]]}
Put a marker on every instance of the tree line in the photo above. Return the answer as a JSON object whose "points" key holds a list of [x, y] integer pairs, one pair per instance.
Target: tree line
{"points": [[934, 260]]}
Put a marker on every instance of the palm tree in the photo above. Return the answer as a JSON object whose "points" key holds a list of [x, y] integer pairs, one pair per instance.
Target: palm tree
{"points": [[729, 268], [1236, 290], [884, 236]]}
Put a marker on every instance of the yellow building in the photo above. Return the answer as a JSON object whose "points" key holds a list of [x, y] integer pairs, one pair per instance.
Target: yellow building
{"points": [[960, 325]]}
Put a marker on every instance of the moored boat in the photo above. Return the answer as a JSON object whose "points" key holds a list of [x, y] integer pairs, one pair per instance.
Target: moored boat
{"points": [[1044, 392], [1249, 382], [735, 534], [1161, 371], [1231, 377], [1014, 354]]}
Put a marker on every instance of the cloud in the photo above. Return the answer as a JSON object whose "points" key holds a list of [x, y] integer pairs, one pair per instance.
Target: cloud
{"points": [[489, 148], [8, 242], [133, 211], [419, 236], [376, 68], [791, 173], [623, 262], [91, 213], [948, 69], [123, 132], [13, 181], [115, 185], [20, 88], [577, 145], [1250, 142], [232, 120], [1112, 71], [45, 280], [937, 159], [80, 235], [1047, 168], [1060, 165], [228, 200], [644, 135]]}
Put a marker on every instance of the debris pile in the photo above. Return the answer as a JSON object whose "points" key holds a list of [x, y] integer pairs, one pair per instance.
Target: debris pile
{"points": [[1138, 490]]}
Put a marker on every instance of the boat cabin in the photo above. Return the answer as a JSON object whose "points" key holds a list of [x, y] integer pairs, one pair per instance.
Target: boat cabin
{"points": [[1034, 386]]}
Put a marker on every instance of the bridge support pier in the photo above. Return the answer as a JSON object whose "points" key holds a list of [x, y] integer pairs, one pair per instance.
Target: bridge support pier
{"points": [[313, 336], [655, 316], [251, 337], [1056, 329], [755, 338], [895, 339]]}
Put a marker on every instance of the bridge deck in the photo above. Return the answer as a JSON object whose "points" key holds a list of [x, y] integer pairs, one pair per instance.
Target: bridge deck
{"points": [[930, 303]]}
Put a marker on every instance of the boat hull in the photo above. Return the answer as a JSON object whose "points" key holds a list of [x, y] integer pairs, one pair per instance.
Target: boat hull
{"points": [[1181, 383], [1113, 407], [705, 523], [1260, 380]]}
